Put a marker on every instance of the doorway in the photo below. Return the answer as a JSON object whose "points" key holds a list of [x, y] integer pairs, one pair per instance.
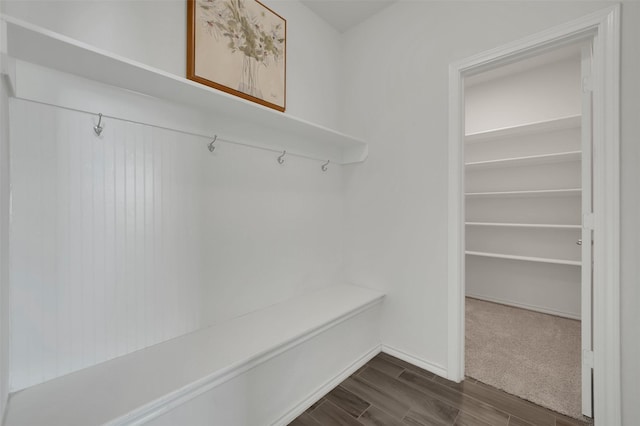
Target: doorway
{"points": [[527, 169], [601, 30]]}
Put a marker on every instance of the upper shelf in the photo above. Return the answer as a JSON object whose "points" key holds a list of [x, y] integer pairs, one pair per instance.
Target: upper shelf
{"points": [[29, 43], [524, 258], [527, 161], [524, 225], [528, 193], [570, 122]]}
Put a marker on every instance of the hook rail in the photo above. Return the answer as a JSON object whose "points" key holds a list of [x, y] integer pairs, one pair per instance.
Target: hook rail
{"points": [[211, 145]]}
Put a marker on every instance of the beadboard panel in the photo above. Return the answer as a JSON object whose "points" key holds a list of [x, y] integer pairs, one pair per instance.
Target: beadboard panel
{"points": [[141, 235], [106, 252]]}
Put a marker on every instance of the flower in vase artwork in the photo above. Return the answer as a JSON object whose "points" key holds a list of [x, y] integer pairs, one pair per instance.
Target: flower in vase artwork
{"points": [[238, 46]]}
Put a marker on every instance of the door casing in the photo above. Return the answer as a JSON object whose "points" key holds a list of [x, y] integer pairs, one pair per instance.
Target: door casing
{"points": [[602, 29]]}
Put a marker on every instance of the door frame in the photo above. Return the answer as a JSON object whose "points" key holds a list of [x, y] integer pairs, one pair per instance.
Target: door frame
{"points": [[602, 28]]}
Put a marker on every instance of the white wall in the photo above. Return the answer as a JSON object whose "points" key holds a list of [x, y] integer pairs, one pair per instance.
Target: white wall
{"points": [[126, 240], [544, 93], [396, 95]]}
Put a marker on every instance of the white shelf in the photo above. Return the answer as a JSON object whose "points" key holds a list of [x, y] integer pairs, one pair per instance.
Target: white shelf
{"points": [[535, 193], [524, 258], [560, 157], [524, 225], [33, 44], [570, 122], [126, 389]]}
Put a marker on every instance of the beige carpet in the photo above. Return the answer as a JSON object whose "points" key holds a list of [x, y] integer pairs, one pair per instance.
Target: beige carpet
{"points": [[532, 355]]}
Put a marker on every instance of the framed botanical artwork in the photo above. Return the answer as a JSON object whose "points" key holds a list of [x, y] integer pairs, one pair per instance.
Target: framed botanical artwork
{"points": [[238, 46]]}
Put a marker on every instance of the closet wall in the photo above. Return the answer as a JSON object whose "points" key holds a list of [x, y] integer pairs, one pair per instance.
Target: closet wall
{"points": [[523, 180], [140, 235]]}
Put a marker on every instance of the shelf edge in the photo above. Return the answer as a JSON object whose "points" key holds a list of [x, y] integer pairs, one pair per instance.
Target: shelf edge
{"points": [[533, 159], [524, 225], [562, 123], [524, 258], [532, 193]]}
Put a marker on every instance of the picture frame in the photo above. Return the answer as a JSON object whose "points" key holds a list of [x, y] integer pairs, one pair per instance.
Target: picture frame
{"points": [[239, 47]]}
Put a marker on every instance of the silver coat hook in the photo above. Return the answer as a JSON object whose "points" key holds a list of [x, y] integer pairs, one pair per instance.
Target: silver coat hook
{"points": [[281, 158], [325, 166], [211, 147], [98, 128]]}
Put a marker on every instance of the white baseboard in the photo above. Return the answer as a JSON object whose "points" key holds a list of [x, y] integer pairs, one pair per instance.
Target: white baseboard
{"points": [[412, 359], [325, 388], [536, 308]]}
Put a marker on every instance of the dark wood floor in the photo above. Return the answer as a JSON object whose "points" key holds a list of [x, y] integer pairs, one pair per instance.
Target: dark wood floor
{"points": [[388, 392]]}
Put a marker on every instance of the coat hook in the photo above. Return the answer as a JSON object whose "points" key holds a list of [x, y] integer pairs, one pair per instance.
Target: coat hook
{"points": [[98, 128], [281, 158], [211, 147], [325, 166]]}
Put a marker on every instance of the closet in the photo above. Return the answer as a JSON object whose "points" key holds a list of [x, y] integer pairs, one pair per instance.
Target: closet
{"points": [[527, 199], [523, 185]]}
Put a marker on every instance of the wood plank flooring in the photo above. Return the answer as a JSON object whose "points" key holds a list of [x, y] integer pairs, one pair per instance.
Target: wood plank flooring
{"points": [[391, 392]]}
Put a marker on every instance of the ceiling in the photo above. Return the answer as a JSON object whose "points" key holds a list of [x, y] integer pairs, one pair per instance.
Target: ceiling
{"points": [[346, 14]]}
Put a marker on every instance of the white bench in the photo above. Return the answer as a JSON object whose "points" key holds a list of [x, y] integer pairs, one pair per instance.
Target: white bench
{"points": [[262, 368]]}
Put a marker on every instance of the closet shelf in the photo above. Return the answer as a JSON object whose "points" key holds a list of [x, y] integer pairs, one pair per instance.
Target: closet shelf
{"points": [[33, 44], [524, 225], [563, 123], [524, 258], [559, 157], [533, 193]]}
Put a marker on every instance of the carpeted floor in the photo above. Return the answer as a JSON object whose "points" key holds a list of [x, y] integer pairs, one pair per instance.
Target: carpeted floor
{"points": [[532, 355]]}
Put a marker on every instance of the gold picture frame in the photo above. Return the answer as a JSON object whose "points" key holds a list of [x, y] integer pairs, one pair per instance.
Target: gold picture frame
{"points": [[239, 47]]}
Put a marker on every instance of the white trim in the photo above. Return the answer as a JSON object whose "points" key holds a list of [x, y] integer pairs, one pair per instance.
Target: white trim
{"points": [[606, 202], [535, 308], [456, 240], [603, 27], [327, 387], [418, 362]]}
